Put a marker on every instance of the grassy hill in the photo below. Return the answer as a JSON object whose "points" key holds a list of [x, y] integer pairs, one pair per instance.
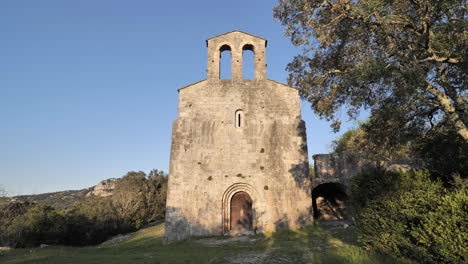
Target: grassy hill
{"points": [[313, 244]]}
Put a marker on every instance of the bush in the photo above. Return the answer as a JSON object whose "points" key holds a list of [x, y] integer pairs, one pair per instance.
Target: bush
{"points": [[137, 200], [444, 231], [88, 223], [408, 214], [41, 224], [372, 184], [92, 222], [445, 153]]}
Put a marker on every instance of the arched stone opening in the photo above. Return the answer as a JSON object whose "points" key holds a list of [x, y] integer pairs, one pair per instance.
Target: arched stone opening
{"points": [[225, 62], [330, 201], [248, 61], [239, 196]]}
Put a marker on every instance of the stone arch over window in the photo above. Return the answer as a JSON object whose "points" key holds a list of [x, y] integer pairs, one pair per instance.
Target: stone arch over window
{"points": [[248, 61], [225, 62], [239, 118], [230, 192], [330, 201]]}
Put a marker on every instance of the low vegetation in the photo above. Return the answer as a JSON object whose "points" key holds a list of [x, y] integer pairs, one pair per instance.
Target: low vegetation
{"points": [[409, 214], [137, 200], [313, 244]]}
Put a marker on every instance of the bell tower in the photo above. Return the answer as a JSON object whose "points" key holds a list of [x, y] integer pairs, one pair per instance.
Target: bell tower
{"points": [[237, 42]]}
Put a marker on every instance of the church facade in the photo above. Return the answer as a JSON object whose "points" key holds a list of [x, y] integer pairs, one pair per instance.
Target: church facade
{"points": [[239, 160]]}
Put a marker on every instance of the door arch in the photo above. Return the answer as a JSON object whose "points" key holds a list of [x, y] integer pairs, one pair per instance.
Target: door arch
{"points": [[241, 212], [226, 204]]}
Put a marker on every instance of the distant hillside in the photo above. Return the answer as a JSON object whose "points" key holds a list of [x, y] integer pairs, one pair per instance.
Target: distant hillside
{"points": [[65, 199]]}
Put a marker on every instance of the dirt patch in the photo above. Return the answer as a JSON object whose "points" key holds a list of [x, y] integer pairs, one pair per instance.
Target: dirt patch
{"points": [[213, 242], [270, 256]]}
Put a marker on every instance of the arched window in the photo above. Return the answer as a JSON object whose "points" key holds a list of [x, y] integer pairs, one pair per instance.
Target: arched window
{"points": [[248, 65], [239, 118], [225, 62]]}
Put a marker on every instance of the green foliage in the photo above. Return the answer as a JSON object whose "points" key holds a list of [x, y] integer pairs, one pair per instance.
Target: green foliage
{"points": [[366, 141], [262, 150], [8, 213], [444, 153], [137, 200], [93, 221], [40, 224], [346, 141], [405, 61], [265, 187], [444, 231], [371, 185], [408, 214]]}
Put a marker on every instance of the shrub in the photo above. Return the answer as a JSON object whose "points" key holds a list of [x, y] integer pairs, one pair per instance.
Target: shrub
{"points": [[444, 153], [444, 231], [372, 184], [412, 216], [137, 200], [41, 224]]}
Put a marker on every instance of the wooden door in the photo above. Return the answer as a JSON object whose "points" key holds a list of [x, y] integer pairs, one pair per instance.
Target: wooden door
{"points": [[241, 212]]}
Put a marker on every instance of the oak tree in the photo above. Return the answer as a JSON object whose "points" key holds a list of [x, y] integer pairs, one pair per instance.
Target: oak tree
{"points": [[404, 60]]}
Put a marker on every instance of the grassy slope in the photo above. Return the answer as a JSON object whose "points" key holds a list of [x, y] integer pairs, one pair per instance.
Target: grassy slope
{"points": [[314, 244]]}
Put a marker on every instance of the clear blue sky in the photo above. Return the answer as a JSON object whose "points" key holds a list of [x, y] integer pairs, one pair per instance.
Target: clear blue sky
{"points": [[88, 89]]}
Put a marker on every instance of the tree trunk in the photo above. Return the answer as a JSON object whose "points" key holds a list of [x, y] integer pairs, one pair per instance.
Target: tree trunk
{"points": [[449, 109]]}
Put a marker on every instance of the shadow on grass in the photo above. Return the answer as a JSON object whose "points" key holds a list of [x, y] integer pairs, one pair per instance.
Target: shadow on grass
{"points": [[312, 244]]}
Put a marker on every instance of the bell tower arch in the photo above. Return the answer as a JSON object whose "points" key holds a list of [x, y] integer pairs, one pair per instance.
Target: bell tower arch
{"points": [[237, 42]]}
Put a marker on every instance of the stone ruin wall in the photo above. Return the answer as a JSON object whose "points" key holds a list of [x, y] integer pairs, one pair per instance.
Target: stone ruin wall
{"points": [[341, 167]]}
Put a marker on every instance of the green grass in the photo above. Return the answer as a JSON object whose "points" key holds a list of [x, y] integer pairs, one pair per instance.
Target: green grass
{"points": [[313, 244]]}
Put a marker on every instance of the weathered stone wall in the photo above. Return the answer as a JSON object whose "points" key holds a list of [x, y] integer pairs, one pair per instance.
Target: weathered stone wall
{"points": [[341, 167], [212, 158]]}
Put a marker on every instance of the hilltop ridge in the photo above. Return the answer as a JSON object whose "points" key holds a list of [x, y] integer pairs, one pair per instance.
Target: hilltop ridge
{"points": [[68, 198]]}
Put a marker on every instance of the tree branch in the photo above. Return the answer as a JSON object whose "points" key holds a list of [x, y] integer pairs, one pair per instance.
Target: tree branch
{"points": [[447, 106]]}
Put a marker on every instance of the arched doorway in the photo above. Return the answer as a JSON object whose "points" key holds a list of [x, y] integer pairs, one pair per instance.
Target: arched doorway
{"points": [[241, 212], [330, 201]]}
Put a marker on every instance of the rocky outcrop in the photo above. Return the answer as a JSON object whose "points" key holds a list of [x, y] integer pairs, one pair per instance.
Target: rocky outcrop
{"points": [[103, 188]]}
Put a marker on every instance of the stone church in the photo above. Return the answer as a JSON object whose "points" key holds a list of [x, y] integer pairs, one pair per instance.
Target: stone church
{"points": [[239, 161]]}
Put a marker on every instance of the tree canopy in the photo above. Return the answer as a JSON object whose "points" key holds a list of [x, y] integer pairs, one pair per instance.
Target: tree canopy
{"points": [[404, 60]]}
